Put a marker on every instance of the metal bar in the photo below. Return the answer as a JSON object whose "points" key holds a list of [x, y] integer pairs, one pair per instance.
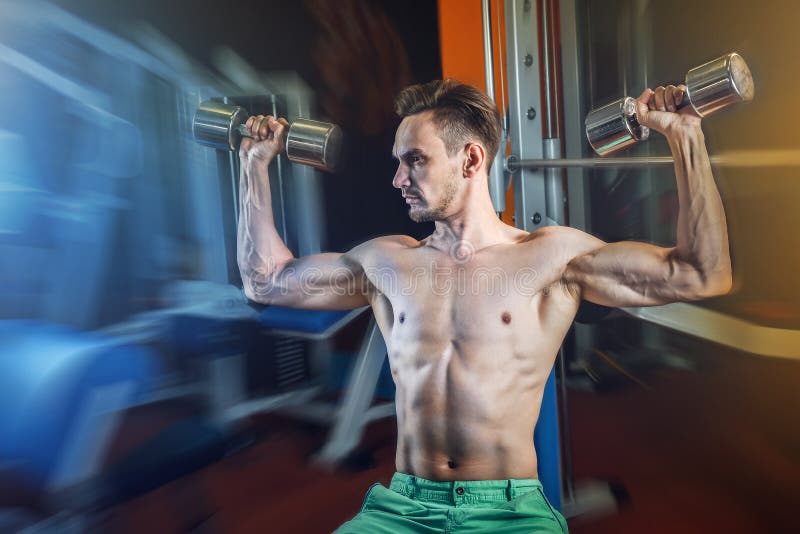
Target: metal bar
{"points": [[234, 186], [488, 62], [549, 112], [514, 164], [497, 190], [554, 189], [566, 438], [740, 159], [553, 182]]}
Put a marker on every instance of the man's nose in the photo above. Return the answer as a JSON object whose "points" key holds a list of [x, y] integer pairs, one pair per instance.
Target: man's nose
{"points": [[400, 179]]}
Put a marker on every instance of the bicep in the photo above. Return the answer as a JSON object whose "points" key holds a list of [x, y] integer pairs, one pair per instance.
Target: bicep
{"points": [[327, 281], [629, 273]]}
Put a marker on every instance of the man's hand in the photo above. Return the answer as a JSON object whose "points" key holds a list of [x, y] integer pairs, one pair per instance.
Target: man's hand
{"points": [[267, 141], [658, 110]]}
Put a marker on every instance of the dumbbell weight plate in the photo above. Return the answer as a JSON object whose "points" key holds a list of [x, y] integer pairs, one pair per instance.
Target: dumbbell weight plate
{"points": [[613, 127], [314, 143], [720, 83], [217, 125]]}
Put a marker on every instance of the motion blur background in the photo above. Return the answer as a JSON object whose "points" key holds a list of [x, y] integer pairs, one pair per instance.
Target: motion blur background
{"points": [[128, 355]]}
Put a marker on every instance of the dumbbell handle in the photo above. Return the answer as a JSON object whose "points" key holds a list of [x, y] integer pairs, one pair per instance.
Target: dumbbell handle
{"points": [[243, 131], [684, 102]]}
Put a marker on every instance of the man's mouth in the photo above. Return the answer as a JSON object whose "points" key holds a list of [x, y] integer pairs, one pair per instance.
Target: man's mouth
{"points": [[410, 199]]}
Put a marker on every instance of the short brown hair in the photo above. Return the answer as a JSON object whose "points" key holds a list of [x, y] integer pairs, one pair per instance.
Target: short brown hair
{"points": [[460, 111]]}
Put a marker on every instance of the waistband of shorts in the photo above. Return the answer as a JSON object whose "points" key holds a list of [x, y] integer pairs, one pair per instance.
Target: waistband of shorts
{"points": [[462, 491]]}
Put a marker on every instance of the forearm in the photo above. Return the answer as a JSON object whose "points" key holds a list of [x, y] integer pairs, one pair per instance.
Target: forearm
{"points": [[702, 233], [260, 250]]}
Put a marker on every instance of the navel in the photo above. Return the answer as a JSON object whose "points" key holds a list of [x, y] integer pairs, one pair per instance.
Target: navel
{"points": [[402, 317], [506, 317], [452, 464]]}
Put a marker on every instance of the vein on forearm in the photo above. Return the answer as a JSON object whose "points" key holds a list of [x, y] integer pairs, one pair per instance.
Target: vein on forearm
{"points": [[260, 251], [702, 239]]}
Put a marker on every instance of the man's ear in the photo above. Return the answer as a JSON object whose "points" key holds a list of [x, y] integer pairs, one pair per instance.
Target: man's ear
{"points": [[474, 159]]}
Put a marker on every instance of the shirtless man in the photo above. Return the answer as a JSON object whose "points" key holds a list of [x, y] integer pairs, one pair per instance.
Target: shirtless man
{"points": [[473, 315]]}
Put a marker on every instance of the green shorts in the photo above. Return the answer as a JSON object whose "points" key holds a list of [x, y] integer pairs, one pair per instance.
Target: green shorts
{"points": [[414, 504]]}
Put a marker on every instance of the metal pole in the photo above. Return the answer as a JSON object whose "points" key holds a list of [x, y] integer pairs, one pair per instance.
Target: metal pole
{"points": [[496, 179], [566, 437], [514, 164], [554, 189], [553, 185], [735, 159], [549, 78], [488, 62]]}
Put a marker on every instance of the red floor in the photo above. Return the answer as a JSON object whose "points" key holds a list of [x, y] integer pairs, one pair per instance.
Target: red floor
{"points": [[711, 450]]}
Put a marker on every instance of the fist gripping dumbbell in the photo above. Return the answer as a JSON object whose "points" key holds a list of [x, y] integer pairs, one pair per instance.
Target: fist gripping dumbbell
{"points": [[314, 143], [711, 87]]}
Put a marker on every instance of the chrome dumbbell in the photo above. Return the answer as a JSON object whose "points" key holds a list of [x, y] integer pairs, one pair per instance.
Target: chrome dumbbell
{"points": [[308, 142], [711, 87]]}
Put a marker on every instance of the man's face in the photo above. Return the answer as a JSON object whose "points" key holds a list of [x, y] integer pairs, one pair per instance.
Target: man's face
{"points": [[429, 179]]}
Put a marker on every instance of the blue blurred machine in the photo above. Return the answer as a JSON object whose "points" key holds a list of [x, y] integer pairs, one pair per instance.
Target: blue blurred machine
{"points": [[61, 395], [122, 209]]}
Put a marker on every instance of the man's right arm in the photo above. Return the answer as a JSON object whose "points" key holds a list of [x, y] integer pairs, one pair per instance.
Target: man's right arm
{"points": [[270, 273]]}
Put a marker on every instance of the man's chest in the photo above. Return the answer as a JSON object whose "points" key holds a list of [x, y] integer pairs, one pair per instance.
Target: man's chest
{"points": [[490, 294]]}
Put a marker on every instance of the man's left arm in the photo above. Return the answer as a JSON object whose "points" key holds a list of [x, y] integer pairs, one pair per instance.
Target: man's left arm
{"points": [[699, 265]]}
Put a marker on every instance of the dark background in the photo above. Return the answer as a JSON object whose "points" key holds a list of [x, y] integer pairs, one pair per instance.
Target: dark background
{"points": [[280, 35]]}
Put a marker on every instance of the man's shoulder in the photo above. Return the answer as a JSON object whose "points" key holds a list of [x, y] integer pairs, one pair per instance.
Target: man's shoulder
{"points": [[565, 235], [556, 247], [564, 241], [385, 243], [391, 242]]}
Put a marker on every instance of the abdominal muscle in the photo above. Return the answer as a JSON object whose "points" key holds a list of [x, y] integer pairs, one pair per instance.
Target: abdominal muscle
{"points": [[467, 413]]}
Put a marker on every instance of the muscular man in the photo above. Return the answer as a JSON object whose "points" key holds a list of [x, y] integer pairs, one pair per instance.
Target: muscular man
{"points": [[473, 315]]}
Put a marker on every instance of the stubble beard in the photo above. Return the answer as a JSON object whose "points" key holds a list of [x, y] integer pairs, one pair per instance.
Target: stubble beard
{"points": [[438, 212]]}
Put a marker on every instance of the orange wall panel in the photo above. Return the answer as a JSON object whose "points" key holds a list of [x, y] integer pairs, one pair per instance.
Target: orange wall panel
{"points": [[461, 40], [461, 45]]}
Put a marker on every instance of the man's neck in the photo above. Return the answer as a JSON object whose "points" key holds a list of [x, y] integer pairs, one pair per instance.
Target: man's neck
{"points": [[475, 223]]}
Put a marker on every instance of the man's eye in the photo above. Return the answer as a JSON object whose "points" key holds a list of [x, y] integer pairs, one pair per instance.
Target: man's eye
{"points": [[416, 159]]}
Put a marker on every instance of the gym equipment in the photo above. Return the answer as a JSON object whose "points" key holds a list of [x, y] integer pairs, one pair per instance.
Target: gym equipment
{"points": [[314, 143], [62, 393], [216, 327], [710, 87]]}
